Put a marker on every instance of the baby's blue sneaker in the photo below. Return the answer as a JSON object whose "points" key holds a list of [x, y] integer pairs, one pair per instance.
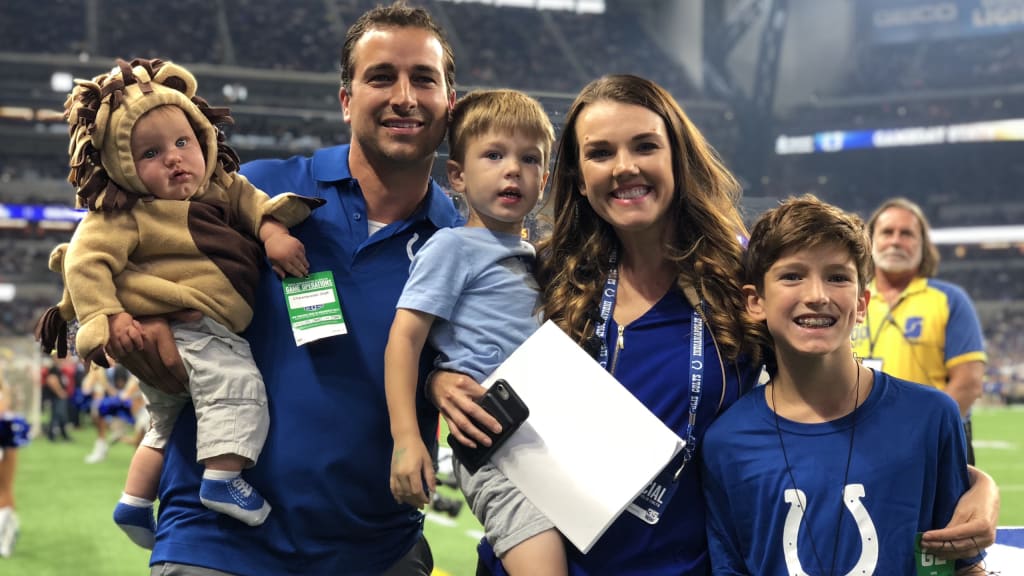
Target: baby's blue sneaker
{"points": [[137, 522], [236, 498]]}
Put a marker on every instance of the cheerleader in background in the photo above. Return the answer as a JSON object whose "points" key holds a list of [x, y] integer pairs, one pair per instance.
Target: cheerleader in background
{"points": [[13, 435]]}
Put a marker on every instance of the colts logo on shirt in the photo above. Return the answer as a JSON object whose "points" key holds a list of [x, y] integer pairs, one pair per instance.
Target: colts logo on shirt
{"points": [[912, 329], [409, 245]]}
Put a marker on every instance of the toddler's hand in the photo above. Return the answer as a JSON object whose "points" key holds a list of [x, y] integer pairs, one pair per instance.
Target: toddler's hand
{"points": [[411, 464]]}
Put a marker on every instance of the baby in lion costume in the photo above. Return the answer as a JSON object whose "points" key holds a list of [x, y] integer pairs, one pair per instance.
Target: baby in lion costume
{"points": [[171, 226]]}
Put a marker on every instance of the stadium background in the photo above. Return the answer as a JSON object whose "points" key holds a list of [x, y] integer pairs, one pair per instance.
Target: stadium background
{"points": [[855, 101]]}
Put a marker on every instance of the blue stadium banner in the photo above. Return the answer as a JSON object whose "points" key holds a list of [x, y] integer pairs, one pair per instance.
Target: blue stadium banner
{"points": [[40, 213], [1008, 130], [893, 21]]}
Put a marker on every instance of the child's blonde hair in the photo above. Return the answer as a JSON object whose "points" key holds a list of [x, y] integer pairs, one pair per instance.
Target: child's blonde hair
{"points": [[483, 111]]}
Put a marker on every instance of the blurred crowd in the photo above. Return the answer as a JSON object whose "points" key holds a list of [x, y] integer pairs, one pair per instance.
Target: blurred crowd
{"points": [[1005, 341], [497, 45], [962, 185], [938, 64]]}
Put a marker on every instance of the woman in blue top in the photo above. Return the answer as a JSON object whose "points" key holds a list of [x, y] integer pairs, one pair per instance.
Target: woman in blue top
{"points": [[643, 268]]}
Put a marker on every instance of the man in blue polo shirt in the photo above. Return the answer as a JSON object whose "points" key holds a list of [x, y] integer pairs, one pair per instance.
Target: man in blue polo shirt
{"points": [[325, 464]]}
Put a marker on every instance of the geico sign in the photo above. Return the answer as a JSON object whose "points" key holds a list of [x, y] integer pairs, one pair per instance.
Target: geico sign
{"points": [[919, 14], [998, 13]]}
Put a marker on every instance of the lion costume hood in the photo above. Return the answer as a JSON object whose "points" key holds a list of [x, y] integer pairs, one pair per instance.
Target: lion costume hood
{"points": [[101, 114]]}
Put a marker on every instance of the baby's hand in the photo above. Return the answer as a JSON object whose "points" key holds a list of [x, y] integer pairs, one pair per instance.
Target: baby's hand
{"points": [[287, 255], [125, 331]]}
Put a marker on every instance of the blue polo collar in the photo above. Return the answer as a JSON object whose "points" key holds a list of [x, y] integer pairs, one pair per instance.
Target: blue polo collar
{"points": [[331, 165]]}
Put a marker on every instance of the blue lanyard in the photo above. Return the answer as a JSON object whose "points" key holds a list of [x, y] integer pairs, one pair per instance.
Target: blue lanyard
{"points": [[611, 288], [696, 383]]}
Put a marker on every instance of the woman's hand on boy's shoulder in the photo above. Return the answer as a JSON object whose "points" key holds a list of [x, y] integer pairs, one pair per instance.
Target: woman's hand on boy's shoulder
{"points": [[974, 523]]}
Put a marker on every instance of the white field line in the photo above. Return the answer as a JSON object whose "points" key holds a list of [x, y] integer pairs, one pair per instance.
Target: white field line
{"points": [[994, 444], [449, 522], [442, 520]]}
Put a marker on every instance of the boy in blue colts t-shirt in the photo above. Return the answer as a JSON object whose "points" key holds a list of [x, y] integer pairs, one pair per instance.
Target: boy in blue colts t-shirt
{"points": [[471, 291], [830, 468]]}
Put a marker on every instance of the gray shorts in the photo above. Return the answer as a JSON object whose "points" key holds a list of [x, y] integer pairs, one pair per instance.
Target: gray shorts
{"points": [[507, 516], [226, 390]]}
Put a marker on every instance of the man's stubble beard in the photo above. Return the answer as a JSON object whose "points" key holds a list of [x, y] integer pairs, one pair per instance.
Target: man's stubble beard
{"points": [[382, 150]]}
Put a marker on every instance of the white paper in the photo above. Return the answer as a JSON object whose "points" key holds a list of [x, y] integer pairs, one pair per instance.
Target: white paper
{"points": [[589, 447], [1002, 559]]}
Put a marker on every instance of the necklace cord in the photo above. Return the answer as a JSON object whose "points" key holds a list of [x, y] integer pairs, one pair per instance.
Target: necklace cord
{"points": [[846, 474]]}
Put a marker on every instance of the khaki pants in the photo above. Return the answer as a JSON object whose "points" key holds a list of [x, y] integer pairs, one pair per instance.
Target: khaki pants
{"points": [[225, 388]]}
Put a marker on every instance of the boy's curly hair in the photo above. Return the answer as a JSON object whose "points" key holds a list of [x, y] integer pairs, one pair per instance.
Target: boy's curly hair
{"points": [[101, 113]]}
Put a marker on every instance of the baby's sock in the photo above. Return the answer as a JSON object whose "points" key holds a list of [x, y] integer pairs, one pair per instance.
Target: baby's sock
{"points": [[135, 516], [221, 474]]}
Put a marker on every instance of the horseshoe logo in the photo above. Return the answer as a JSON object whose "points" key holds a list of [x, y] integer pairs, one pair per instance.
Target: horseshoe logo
{"points": [[409, 245], [852, 495]]}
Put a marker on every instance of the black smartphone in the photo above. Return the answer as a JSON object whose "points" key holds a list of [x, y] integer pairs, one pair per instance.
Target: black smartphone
{"points": [[502, 402]]}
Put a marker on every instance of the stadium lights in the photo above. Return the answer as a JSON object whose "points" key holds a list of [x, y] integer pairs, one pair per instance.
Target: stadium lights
{"points": [[61, 82], [235, 92], [7, 292], [991, 235]]}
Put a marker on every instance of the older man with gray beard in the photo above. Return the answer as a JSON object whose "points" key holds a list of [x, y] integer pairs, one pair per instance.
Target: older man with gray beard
{"points": [[919, 328]]}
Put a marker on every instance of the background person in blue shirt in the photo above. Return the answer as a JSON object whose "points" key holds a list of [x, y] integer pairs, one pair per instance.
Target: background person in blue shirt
{"points": [[325, 463], [793, 477]]}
